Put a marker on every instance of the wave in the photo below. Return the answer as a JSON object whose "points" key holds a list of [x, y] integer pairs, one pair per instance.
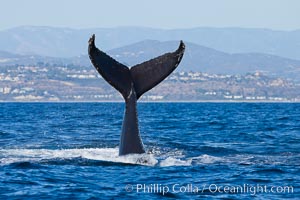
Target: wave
{"points": [[156, 157], [9, 156]]}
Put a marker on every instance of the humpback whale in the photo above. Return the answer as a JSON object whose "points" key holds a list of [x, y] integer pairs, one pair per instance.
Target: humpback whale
{"points": [[132, 83]]}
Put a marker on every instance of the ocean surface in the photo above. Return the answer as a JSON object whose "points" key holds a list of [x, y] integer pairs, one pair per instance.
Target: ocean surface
{"points": [[194, 150]]}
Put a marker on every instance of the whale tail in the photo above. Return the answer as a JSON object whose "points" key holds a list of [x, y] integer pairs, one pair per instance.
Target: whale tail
{"points": [[132, 84], [142, 77]]}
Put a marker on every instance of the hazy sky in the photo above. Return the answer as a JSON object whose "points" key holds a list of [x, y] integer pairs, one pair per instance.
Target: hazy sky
{"points": [[274, 14]]}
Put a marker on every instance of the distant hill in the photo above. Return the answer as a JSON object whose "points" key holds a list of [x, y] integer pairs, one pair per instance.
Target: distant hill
{"points": [[197, 58], [66, 42], [83, 83], [7, 58], [200, 58]]}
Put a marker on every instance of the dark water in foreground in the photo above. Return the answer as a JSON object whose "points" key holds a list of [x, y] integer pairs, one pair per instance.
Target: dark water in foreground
{"points": [[69, 151]]}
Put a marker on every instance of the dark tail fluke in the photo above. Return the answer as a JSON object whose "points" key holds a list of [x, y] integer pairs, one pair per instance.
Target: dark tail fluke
{"points": [[142, 77], [115, 73], [132, 84], [150, 73]]}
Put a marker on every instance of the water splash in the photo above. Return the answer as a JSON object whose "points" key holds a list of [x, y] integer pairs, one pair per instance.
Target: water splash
{"points": [[9, 156], [162, 158]]}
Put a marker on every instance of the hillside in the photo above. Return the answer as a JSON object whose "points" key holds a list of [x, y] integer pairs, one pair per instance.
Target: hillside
{"points": [[202, 59], [66, 42], [197, 58], [82, 83]]}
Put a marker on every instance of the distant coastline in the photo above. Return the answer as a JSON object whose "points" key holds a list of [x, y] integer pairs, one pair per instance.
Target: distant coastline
{"points": [[252, 69], [170, 101]]}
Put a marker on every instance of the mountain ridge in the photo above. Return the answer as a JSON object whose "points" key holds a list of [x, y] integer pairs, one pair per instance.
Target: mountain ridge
{"points": [[197, 58], [68, 42]]}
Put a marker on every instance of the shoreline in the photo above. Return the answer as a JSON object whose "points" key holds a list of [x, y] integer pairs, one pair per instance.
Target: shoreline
{"points": [[171, 101]]}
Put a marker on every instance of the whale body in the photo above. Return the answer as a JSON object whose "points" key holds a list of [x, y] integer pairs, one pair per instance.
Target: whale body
{"points": [[132, 83]]}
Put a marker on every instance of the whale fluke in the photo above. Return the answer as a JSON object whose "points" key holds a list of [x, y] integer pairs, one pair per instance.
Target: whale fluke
{"points": [[132, 84], [150, 73], [115, 73]]}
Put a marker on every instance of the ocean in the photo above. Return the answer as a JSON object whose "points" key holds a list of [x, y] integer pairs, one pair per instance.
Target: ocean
{"points": [[194, 150]]}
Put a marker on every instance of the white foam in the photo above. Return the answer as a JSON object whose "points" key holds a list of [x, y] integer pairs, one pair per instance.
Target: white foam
{"points": [[207, 159], [9, 156], [170, 161], [157, 157]]}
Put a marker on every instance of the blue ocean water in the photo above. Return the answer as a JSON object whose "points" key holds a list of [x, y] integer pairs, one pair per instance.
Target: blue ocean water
{"points": [[194, 150]]}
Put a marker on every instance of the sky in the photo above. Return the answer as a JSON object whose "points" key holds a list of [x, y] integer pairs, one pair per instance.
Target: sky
{"points": [[166, 14]]}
